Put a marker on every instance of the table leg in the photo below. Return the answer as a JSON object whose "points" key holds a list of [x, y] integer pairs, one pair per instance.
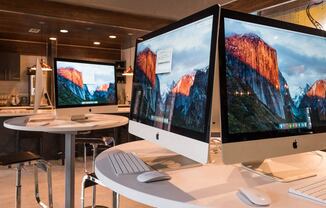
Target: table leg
{"points": [[69, 171], [116, 136], [18, 185], [17, 141], [115, 200]]}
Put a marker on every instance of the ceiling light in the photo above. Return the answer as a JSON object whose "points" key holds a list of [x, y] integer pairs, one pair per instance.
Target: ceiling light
{"points": [[53, 38], [112, 36], [64, 31], [96, 43]]}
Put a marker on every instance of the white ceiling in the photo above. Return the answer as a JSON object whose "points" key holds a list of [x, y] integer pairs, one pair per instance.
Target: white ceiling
{"points": [[170, 9]]}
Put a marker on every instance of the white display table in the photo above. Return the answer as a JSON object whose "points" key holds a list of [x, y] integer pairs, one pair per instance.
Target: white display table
{"points": [[211, 185], [70, 129]]}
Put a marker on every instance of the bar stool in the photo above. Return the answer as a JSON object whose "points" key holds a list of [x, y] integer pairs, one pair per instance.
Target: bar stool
{"points": [[27, 157], [90, 179]]}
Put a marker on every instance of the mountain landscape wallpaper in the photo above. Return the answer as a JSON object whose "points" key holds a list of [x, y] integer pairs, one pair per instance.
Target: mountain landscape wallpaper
{"points": [[85, 84], [177, 98], [276, 79]]}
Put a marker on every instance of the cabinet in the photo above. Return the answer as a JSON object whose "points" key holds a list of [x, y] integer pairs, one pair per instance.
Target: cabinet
{"points": [[9, 66], [120, 67]]}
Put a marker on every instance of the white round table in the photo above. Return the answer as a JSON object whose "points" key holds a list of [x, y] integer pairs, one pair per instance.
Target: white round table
{"points": [[47, 123], [210, 185]]}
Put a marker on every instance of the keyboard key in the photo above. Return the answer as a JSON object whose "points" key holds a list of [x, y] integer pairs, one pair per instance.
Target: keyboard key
{"points": [[126, 163], [315, 191]]}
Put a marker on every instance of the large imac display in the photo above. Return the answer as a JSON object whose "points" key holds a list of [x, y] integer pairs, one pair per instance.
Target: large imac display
{"points": [[88, 86], [273, 85], [173, 82]]}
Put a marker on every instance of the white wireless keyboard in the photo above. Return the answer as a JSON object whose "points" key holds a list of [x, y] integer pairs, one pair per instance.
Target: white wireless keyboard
{"points": [[315, 190], [126, 163]]}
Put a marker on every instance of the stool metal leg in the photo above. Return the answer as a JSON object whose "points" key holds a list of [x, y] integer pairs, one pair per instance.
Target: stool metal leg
{"points": [[93, 169], [115, 200], [18, 185], [50, 193], [82, 197], [94, 156], [46, 167], [36, 189], [85, 158]]}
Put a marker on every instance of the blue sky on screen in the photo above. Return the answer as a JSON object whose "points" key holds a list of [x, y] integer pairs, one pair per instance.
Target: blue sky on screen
{"points": [[301, 57], [191, 49]]}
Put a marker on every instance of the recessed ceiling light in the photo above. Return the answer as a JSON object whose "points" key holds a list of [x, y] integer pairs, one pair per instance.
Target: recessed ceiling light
{"points": [[64, 31], [130, 34], [53, 38], [112, 36], [96, 43], [34, 30]]}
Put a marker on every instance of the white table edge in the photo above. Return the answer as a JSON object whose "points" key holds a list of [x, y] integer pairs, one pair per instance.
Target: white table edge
{"points": [[141, 197]]}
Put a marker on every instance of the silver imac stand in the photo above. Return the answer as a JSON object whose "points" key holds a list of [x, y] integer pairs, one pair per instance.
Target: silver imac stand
{"points": [[287, 168], [72, 114]]}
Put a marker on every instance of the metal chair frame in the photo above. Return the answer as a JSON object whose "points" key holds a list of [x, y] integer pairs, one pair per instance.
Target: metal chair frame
{"points": [[90, 179], [39, 164]]}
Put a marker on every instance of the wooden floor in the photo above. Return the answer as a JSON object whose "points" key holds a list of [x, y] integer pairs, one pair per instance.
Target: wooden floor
{"points": [[7, 188]]}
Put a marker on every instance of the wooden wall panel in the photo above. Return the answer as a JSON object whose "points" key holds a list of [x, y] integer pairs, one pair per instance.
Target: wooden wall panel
{"points": [[248, 6], [23, 47], [65, 51], [83, 14], [88, 53]]}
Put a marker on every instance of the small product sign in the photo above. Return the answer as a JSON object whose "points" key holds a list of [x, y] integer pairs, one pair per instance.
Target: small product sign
{"points": [[164, 61]]}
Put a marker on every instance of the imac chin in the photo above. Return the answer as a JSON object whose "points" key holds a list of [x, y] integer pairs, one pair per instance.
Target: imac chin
{"points": [[80, 114], [273, 90], [174, 142]]}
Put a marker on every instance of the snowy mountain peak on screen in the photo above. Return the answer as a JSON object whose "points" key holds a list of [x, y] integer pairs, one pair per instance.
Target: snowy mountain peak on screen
{"points": [[300, 92]]}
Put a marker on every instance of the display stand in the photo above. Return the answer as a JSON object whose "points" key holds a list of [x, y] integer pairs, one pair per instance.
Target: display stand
{"points": [[170, 162], [287, 168]]}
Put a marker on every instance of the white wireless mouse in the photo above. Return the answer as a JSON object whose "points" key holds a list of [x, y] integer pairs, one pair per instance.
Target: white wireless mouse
{"points": [[152, 176], [255, 196]]}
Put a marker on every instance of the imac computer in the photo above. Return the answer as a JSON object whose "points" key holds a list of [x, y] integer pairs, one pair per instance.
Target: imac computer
{"points": [[38, 93], [272, 86], [173, 82], [38, 88], [88, 86]]}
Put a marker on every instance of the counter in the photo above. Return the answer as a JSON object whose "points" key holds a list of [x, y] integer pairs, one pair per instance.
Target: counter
{"points": [[27, 110]]}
